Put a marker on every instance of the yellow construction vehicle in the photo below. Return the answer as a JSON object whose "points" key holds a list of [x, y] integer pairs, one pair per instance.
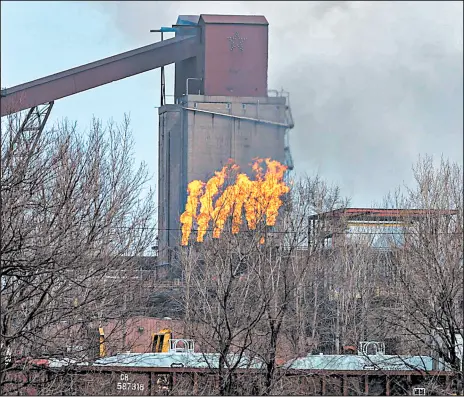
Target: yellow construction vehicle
{"points": [[160, 341], [102, 342]]}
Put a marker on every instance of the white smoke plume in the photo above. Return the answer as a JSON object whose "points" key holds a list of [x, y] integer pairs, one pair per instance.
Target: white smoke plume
{"points": [[372, 84]]}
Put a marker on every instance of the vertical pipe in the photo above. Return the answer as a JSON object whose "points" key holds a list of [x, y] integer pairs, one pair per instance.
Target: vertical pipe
{"points": [[184, 163], [163, 82], [168, 185]]}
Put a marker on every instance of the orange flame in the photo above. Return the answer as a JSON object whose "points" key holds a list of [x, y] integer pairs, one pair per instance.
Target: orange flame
{"points": [[194, 190], [242, 193], [222, 210], [206, 201], [274, 188], [259, 198]]}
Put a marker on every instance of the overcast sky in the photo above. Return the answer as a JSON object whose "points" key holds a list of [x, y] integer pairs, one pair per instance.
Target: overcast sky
{"points": [[372, 84]]}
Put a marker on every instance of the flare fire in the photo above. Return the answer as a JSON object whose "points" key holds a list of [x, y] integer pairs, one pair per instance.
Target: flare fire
{"points": [[260, 199]]}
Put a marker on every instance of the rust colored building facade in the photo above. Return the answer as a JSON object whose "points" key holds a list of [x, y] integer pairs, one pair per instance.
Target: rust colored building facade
{"points": [[233, 56]]}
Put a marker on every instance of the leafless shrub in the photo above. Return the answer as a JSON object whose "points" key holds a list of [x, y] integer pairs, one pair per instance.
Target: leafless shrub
{"points": [[428, 267], [72, 221], [243, 291]]}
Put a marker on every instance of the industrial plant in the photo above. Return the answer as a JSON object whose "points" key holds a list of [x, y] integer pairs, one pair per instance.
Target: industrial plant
{"points": [[225, 117], [223, 106]]}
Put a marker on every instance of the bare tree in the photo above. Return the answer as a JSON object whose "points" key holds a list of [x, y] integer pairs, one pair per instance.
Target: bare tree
{"points": [[221, 303], [74, 217], [243, 291], [428, 265], [285, 268]]}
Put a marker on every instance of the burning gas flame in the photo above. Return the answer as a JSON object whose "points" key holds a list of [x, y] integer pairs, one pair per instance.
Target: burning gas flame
{"points": [[206, 201], [194, 190], [242, 193], [259, 198]]}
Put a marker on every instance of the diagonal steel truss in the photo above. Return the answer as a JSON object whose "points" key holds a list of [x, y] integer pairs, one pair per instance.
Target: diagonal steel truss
{"points": [[36, 119]]}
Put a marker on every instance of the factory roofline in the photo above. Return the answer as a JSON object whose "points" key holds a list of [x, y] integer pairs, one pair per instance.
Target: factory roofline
{"points": [[381, 213], [234, 19]]}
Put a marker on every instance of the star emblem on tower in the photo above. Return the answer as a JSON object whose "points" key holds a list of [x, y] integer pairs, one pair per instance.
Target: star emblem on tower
{"points": [[236, 41]]}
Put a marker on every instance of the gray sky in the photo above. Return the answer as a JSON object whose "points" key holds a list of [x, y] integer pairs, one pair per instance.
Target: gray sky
{"points": [[372, 84]]}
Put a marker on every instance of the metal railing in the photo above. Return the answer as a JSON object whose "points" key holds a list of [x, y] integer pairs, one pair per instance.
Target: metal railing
{"points": [[181, 346]]}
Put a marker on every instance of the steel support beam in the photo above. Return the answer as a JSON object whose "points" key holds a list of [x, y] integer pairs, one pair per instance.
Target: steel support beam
{"points": [[95, 74]]}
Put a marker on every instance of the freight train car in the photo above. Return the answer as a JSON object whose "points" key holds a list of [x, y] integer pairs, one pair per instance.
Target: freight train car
{"points": [[189, 373]]}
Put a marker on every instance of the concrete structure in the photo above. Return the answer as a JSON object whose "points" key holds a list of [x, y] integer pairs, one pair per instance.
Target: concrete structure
{"points": [[223, 111], [200, 135], [223, 108]]}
